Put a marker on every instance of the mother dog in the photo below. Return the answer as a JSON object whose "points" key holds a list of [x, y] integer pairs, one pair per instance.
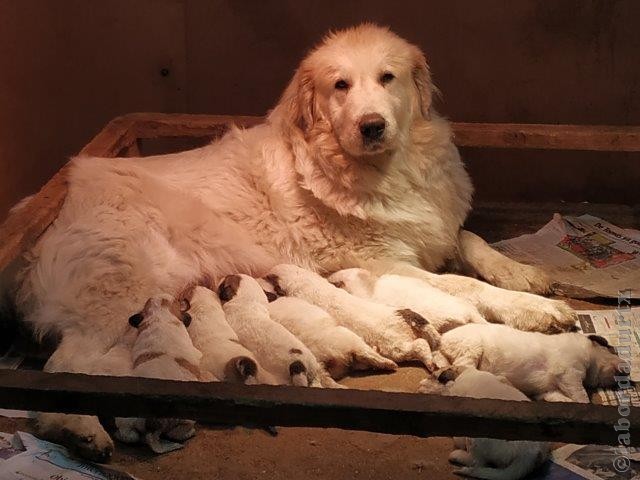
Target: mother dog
{"points": [[352, 168]]}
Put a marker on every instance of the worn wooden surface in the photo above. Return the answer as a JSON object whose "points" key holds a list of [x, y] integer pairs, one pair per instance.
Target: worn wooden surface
{"points": [[601, 138], [263, 405], [120, 137]]}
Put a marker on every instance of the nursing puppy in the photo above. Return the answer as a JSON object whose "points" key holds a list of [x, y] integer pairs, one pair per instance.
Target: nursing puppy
{"points": [[443, 311], [222, 353], [164, 350], [548, 367], [337, 348], [398, 334], [278, 350], [488, 458]]}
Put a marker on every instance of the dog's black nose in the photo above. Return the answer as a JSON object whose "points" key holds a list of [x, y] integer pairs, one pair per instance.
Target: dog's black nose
{"points": [[372, 126]]}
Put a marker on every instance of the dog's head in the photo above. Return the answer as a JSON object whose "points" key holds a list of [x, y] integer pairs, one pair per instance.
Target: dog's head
{"points": [[363, 87]]}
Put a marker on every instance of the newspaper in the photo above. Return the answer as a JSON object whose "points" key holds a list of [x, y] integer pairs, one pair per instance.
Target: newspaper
{"points": [[593, 462], [587, 255], [23, 456]]}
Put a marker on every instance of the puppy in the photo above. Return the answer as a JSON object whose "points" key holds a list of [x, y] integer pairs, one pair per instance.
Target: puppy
{"points": [[164, 350], [278, 350], [222, 353], [399, 334], [547, 367], [485, 457], [443, 311], [337, 348]]}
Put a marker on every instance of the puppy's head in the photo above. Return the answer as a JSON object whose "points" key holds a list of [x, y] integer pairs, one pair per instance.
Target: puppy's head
{"points": [[604, 363], [162, 307], [363, 87], [356, 281], [242, 288]]}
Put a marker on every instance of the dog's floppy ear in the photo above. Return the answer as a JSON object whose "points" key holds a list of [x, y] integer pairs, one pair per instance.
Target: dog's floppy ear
{"points": [[298, 103], [422, 80]]}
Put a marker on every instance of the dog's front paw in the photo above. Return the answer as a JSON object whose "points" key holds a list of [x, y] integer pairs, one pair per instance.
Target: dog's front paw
{"points": [[512, 275], [533, 313]]}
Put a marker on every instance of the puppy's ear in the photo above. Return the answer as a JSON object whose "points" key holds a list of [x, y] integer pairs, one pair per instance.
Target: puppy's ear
{"points": [[298, 103], [186, 319], [136, 320], [422, 80], [599, 340], [448, 375], [229, 287]]}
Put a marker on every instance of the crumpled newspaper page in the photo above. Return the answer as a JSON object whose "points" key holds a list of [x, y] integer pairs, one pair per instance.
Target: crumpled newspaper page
{"points": [[592, 462], [23, 456], [588, 256]]}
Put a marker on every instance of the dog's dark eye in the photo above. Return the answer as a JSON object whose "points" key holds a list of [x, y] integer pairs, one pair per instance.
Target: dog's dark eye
{"points": [[341, 85], [386, 77]]}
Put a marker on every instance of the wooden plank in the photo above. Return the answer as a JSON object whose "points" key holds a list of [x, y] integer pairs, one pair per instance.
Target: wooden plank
{"points": [[264, 405], [602, 138], [154, 125], [18, 234]]}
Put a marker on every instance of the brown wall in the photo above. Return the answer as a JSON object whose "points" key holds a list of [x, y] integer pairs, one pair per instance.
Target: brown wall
{"points": [[71, 65]]}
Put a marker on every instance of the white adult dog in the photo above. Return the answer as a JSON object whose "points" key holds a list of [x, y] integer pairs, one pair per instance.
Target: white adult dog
{"points": [[352, 168]]}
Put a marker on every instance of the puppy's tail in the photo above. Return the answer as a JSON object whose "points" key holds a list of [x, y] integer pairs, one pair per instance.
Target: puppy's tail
{"points": [[520, 468]]}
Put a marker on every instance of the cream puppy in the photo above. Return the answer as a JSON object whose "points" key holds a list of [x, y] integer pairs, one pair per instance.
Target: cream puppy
{"points": [[278, 350], [337, 348], [164, 350], [485, 457], [222, 353], [547, 367], [398, 334], [443, 311]]}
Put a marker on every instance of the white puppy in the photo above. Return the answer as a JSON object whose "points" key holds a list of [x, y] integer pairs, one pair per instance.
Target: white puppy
{"points": [[548, 367], [394, 333], [485, 457], [222, 353], [164, 350], [443, 311], [337, 348], [278, 350]]}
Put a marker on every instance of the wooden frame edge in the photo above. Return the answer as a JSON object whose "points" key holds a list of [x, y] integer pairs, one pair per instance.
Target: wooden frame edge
{"points": [[264, 405]]}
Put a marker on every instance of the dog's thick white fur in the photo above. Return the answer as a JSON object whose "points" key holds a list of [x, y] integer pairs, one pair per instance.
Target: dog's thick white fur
{"points": [[488, 458], [546, 367], [443, 311], [337, 348], [307, 187], [400, 335]]}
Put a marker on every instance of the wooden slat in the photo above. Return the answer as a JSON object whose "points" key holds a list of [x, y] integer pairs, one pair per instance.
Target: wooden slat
{"points": [[20, 230], [154, 125], [602, 138], [262, 405]]}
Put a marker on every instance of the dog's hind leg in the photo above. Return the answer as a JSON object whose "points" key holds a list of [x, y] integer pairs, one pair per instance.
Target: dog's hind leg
{"points": [[82, 433]]}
